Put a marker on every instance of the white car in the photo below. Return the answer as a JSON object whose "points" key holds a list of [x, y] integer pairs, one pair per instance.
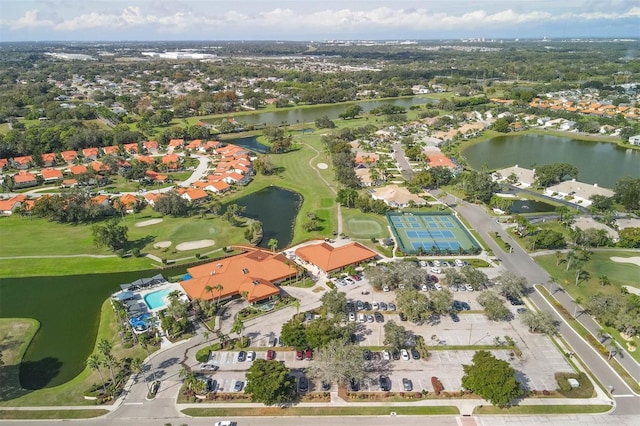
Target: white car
{"points": [[375, 305], [437, 286], [386, 289], [352, 316], [349, 280], [459, 263], [386, 355], [251, 356], [436, 270], [425, 287], [362, 318], [436, 263], [404, 355], [469, 287], [224, 423]]}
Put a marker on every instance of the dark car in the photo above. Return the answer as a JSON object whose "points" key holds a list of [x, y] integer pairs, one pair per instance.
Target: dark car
{"points": [[385, 384], [366, 354], [395, 354], [359, 305], [242, 356], [454, 317], [238, 386], [303, 384], [407, 384], [383, 306], [457, 305], [379, 317], [403, 317], [271, 354], [515, 301], [308, 354], [354, 385], [465, 306], [367, 306], [325, 386], [415, 354], [350, 307], [299, 355], [212, 385]]}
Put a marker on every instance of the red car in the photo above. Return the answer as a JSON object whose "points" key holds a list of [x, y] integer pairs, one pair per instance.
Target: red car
{"points": [[299, 355], [308, 354], [271, 354]]}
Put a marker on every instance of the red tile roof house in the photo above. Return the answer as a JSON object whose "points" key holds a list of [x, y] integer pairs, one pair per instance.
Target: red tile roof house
{"points": [[78, 170], [329, 258], [111, 150], [217, 187], [131, 148], [195, 195], [7, 207], [175, 144], [129, 201], [151, 146], [99, 167], [51, 175], [69, 156], [48, 159], [194, 145], [172, 161], [155, 176], [255, 273], [152, 197], [145, 159], [24, 180], [90, 154], [4, 164], [22, 163], [69, 183]]}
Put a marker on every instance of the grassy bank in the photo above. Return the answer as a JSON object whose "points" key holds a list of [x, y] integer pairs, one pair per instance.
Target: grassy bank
{"points": [[51, 414], [543, 409]]}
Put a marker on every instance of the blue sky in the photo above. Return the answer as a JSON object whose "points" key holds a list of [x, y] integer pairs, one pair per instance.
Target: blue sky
{"points": [[314, 20]]}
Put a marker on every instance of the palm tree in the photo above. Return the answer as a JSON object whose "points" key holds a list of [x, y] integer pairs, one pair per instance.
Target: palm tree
{"points": [[209, 289], [273, 244], [238, 326], [188, 376], [604, 280], [296, 303], [104, 346], [144, 342], [219, 288], [93, 362], [138, 367], [577, 301]]}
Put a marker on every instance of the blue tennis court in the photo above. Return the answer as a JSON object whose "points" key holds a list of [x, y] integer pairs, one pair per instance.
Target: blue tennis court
{"points": [[431, 233]]}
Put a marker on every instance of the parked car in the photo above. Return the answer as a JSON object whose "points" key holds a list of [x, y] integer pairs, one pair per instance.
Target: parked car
{"points": [[370, 318], [385, 383], [308, 354], [454, 317], [395, 354], [436, 270], [349, 280], [403, 317], [251, 356], [424, 287], [351, 307], [303, 384], [522, 310], [367, 306], [386, 355], [469, 287], [407, 384], [225, 423], [325, 386], [237, 387], [352, 316], [354, 385], [436, 263], [445, 264], [299, 355], [375, 305], [212, 385], [359, 305], [379, 317], [437, 286], [361, 318], [242, 356], [415, 354], [392, 307], [208, 367], [271, 354], [404, 354], [386, 289], [466, 306], [383, 306], [366, 354], [459, 263], [456, 305]]}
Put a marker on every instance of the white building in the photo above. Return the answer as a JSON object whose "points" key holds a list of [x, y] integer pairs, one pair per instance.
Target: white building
{"points": [[634, 140]]}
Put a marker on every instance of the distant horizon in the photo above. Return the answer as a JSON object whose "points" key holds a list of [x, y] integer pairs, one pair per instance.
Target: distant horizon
{"points": [[295, 20]]}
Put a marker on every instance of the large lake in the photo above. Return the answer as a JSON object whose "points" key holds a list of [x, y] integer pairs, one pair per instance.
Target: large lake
{"points": [[597, 162], [310, 114]]}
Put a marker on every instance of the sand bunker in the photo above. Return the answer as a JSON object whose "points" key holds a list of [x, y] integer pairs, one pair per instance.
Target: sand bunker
{"points": [[148, 222], [323, 166], [162, 244], [192, 245], [633, 260]]}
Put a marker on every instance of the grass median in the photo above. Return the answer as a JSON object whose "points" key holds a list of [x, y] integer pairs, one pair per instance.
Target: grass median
{"points": [[321, 411], [543, 409], [51, 414]]}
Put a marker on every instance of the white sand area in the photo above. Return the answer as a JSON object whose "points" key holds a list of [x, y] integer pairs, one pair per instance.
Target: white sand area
{"points": [[148, 222], [162, 244], [322, 166], [634, 260], [192, 245]]}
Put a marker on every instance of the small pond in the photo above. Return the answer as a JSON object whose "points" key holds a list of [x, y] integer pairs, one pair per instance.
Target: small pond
{"points": [[531, 206]]}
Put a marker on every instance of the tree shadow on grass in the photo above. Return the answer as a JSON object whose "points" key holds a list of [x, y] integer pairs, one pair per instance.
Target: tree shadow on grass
{"points": [[20, 379]]}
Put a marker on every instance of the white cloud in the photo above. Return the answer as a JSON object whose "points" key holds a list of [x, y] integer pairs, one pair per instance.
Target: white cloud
{"points": [[159, 17]]}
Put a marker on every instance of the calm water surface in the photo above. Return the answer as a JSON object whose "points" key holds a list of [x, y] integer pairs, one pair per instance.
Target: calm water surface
{"points": [[597, 162]]}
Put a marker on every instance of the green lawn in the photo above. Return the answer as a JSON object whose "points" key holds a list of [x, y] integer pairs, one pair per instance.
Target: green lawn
{"points": [[52, 414], [321, 411], [543, 409], [362, 226]]}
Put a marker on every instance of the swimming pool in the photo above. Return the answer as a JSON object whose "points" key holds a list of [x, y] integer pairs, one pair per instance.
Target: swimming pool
{"points": [[154, 300]]}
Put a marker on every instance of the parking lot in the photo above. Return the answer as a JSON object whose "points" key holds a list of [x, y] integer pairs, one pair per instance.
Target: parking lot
{"points": [[539, 361]]}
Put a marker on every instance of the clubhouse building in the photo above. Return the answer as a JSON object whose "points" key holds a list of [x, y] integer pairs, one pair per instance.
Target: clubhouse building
{"points": [[329, 258], [252, 275]]}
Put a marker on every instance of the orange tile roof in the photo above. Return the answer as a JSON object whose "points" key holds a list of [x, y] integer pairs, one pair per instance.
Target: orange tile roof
{"points": [[48, 174], [69, 182], [437, 159], [176, 143], [196, 194], [150, 145], [329, 258], [170, 159], [111, 149], [131, 147], [49, 157], [128, 200], [23, 160], [24, 177], [219, 186], [87, 152], [99, 167], [145, 159], [78, 170], [9, 205], [3, 163], [254, 272], [69, 156]]}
